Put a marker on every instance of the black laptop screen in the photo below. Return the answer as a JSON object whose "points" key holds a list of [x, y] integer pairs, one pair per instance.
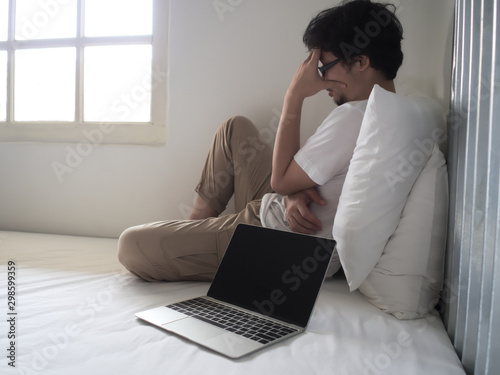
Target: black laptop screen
{"points": [[272, 272]]}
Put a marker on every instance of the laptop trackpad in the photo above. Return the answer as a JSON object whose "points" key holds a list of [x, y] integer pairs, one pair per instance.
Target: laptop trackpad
{"points": [[160, 315], [193, 329]]}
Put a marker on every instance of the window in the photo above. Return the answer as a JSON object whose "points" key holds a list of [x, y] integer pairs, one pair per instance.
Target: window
{"points": [[83, 70]]}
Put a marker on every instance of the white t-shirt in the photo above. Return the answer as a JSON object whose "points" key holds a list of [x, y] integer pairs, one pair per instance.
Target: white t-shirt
{"points": [[325, 157]]}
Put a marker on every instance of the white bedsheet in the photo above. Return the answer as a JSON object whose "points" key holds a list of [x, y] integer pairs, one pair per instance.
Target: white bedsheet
{"points": [[75, 309]]}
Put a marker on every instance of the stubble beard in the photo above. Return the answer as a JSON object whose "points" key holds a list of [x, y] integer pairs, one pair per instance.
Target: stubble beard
{"points": [[341, 100]]}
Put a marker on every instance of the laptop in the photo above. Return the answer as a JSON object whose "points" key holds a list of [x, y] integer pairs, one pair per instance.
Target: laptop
{"points": [[263, 293]]}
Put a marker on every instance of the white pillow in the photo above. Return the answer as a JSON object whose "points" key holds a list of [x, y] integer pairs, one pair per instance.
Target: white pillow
{"points": [[395, 141], [407, 280]]}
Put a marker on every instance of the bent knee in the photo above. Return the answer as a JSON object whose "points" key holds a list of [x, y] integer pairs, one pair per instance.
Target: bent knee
{"points": [[237, 127], [129, 254], [241, 124], [140, 252]]}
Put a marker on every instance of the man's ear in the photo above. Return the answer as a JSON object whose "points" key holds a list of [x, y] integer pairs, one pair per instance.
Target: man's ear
{"points": [[364, 62]]}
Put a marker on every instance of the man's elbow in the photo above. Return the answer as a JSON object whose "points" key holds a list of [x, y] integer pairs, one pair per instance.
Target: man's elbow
{"points": [[279, 186]]}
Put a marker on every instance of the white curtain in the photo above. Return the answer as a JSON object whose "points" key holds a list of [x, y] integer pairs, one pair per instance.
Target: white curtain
{"points": [[471, 299]]}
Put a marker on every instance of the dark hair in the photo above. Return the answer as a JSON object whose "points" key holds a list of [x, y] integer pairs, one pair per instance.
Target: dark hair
{"points": [[359, 27]]}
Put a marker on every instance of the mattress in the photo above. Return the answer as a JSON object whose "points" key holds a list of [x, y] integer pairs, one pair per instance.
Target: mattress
{"points": [[68, 308]]}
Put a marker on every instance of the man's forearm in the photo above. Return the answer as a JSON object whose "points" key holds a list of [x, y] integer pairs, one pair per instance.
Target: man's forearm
{"points": [[287, 176], [287, 139]]}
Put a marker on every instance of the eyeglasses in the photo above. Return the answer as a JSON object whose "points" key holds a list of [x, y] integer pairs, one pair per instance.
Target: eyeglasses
{"points": [[324, 68]]}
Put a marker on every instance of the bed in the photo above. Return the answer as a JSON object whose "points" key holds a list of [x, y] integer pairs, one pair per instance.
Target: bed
{"points": [[74, 314]]}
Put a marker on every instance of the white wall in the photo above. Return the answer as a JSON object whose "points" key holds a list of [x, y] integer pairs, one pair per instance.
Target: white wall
{"points": [[238, 64]]}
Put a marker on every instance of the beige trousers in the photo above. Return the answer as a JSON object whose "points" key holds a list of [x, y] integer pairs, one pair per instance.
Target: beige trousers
{"points": [[239, 164]]}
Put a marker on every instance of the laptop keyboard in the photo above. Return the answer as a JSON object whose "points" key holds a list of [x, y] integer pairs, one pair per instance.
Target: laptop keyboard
{"points": [[233, 320]]}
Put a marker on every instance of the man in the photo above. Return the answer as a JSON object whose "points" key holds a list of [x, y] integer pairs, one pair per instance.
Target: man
{"points": [[294, 188]]}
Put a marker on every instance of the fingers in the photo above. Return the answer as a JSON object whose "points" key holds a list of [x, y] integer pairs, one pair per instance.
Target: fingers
{"points": [[315, 54], [309, 220], [298, 215], [307, 80], [313, 58], [304, 223], [313, 194]]}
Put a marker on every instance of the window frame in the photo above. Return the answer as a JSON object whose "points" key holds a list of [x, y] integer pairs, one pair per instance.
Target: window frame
{"points": [[153, 132]]}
